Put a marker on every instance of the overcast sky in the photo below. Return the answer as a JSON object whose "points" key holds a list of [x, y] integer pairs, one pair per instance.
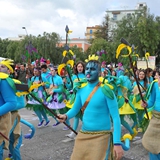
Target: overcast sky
{"points": [[40, 16]]}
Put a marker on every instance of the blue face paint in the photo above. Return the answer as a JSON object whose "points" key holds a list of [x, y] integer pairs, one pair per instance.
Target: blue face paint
{"points": [[3, 68], [92, 72]]}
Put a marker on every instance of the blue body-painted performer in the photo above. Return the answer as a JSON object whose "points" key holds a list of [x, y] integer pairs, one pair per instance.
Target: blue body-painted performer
{"points": [[150, 138], [56, 100], [15, 135], [7, 103], [33, 104], [93, 140]]}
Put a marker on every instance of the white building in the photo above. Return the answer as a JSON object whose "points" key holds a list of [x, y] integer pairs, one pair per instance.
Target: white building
{"points": [[117, 15], [20, 37]]}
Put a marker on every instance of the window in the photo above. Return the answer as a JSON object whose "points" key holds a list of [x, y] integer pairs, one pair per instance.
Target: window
{"points": [[114, 16], [128, 15], [91, 31], [90, 37]]}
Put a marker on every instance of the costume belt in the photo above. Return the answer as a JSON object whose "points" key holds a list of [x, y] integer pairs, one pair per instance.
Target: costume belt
{"points": [[156, 114], [96, 132]]}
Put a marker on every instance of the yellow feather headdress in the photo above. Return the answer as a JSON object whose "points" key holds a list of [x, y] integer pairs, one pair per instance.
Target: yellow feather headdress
{"points": [[92, 57], [8, 63]]}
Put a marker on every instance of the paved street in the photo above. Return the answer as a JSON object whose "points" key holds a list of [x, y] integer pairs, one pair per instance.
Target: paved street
{"points": [[51, 144]]}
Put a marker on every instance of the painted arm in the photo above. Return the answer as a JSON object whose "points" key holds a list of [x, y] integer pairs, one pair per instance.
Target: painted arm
{"points": [[60, 89], [113, 109], [8, 96], [152, 96], [20, 102]]}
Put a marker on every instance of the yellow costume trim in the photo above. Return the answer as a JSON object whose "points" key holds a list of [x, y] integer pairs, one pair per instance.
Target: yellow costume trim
{"points": [[92, 57], [8, 63], [126, 109], [149, 114], [119, 49], [16, 81], [8, 158], [127, 136], [135, 132], [32, 87], [3, 75]]}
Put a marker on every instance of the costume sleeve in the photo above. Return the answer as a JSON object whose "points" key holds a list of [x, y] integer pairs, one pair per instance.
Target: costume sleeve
{"points": [[76, 107], [60, 81], [113, 109], [46, 81], [152, 96], [8, 96], [20, 102], [59, 89]]}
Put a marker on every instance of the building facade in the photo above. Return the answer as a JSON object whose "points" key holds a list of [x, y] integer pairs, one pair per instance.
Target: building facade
{"points": [[90, 31], [80, 43], [20, 37], [117, 15]]}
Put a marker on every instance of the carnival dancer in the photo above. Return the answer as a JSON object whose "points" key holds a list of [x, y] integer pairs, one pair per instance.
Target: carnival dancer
{"points": [[98, 102], [119, 69], [136, 96], [15, 137], [125, 105], [40, 93], [150, 138], [8, 103], [149, 73], [79, 75], [57, 96]]}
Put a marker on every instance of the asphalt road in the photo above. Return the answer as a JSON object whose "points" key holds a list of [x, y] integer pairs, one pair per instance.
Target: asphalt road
{"points": [[50, 143]]}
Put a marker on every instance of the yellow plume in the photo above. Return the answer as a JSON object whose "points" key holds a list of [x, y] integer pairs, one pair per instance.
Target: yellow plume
{"points": [[71, 52], [64, 53], [70, 62], [92, 57], [70, 31], [60, 67], [147, 55], [119, 49], [8, 63]]}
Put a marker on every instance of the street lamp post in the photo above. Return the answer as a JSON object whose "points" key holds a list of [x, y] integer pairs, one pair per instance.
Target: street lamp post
{"points": [[25, 30]]}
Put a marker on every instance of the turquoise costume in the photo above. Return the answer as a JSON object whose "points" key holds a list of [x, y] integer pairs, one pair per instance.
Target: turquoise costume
{"points": [[8, 103], [96, 118], [137, 99], [35, 105], [124, 103], [56, 100]]}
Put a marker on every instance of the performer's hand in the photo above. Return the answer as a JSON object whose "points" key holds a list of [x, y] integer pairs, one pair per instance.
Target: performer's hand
{"points": [[51, 92], [118, 152], [62, 117], [144, 104]]}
